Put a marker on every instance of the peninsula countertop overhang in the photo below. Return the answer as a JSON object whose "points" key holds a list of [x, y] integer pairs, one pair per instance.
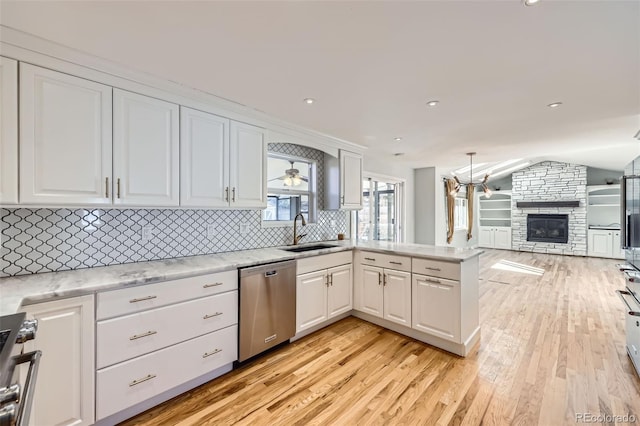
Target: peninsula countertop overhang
{"points": [[36, 288]]}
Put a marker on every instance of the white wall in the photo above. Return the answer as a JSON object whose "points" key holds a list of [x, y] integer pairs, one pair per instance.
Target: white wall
{"points": [[389, 167]]}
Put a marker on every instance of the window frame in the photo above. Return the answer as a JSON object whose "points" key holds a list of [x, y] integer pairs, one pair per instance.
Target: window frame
{"points": [[399, 207], [312, 192]]}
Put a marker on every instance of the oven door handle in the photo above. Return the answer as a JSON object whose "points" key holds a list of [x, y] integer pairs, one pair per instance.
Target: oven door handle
{"points": [[623, 293], [24, 408]]}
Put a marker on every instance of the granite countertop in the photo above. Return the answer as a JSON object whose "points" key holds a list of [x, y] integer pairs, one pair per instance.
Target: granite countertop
{"points": [[35, 288]]}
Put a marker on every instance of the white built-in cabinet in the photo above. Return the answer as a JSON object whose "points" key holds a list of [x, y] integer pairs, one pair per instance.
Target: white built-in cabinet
{"points": [[494, 237], [146, 149], [65, 138], [384, 292], [343, 181], [222, 162], [605, 243], [8, 131], [65, 390], [324, 289]]}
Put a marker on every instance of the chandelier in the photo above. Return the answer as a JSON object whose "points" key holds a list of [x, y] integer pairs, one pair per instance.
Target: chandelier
{"points": [[482, 184]]}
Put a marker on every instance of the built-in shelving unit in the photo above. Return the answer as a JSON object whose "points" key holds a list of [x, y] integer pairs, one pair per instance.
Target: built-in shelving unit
{"points": [[494, 220], [603, 219]]}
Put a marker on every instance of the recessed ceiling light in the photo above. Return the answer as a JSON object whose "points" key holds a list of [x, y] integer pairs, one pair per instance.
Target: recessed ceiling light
{"points": [[433, 103], [555, 105], [309, 100], [530, 2], [397, 139]]}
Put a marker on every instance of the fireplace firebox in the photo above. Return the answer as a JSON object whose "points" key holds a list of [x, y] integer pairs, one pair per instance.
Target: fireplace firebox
{"points": [[548, 228]]}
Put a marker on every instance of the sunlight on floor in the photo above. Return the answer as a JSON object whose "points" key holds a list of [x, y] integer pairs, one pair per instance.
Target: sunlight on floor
{"points": [[506, 265]]}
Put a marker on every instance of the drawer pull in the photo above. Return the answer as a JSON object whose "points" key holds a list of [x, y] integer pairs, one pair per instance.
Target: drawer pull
{"points": [[206, 354], [432, 269], [140, 336], [212, 285], [142, 299], [395, 263], [212, 315], [432, 280], [370, 259], [144, 379]]}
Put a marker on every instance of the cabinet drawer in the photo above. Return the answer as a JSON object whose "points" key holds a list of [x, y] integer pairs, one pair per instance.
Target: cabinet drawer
{"points": [[139, 298], [126, 337], [131, 382], [324, 261], [400, 263], [436, 268]]}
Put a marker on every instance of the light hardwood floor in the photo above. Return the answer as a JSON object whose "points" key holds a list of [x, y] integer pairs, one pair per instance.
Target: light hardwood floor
{"points": [[552, 347]]}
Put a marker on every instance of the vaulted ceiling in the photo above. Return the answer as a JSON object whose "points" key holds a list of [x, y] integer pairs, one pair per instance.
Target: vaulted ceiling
{"points": [[494, 66]]}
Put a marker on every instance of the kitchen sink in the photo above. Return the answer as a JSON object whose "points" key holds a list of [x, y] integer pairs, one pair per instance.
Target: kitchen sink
{"points": [[298, 249]]}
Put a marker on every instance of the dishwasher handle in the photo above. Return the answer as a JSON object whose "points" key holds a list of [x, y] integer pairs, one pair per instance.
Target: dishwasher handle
{"points": [[268, 269], [269, 274]]}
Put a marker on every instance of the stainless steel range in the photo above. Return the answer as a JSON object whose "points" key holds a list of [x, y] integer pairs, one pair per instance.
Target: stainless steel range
{"points": [[16, 397]]}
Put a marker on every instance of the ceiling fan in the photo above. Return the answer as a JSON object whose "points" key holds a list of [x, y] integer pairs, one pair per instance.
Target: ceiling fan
{"points": [[292, 176]]}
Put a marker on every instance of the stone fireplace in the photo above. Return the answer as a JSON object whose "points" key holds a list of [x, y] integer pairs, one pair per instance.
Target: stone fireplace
{"points": [[555, 189]]}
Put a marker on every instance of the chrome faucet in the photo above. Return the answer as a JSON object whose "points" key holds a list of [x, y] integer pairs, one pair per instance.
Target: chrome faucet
{"points": [[297, 237]]}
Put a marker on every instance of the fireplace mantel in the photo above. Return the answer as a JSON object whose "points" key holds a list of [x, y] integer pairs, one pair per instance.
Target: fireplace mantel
{"points": [[536, 204]]}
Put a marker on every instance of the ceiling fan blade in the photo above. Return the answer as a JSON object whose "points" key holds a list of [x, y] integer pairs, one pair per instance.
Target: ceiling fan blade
{"points": [[281, 178]]}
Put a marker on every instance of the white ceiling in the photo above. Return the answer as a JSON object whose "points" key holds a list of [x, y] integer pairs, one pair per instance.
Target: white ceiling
{"points": [[371, 66]]}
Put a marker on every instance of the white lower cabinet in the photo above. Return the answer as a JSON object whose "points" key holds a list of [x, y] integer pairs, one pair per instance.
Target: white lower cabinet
{"points": [[385, 293], [324, 289], [64, 393], [436, 306], [604, 243], [131, 382], [153, 338], [495, 237], [322, 295]]}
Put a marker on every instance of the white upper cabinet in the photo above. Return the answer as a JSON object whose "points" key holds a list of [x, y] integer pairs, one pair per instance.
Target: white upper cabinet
{"points": [[8, 131], [351, 182], [343, 181], [65, 138], [248, 166], [146, 150], [204, 149]]}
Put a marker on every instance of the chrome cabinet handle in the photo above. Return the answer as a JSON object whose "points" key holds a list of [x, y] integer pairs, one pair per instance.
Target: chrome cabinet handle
{"points": [[379, 278], [623, 293], [106, 187], [211, 285], [217, 314], [233, 195], [216, 351], [395, 263], [326, 281], [432, 269], [144, 379], [370, 259], [142, 299], [140, 336], [118, 186], [384, 280], [226, 194]]}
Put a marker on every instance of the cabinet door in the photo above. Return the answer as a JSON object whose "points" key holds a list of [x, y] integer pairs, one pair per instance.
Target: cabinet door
{"points": [[350, 180], [372, 291], [64, 393], [502, 238], [204, 150], [248, 166], [616, 248], [485, 237], [8, 131], [340, 291], [311, 299], [146, 150], [397, 296], [600, 243], [436, 307], [65, 138]]}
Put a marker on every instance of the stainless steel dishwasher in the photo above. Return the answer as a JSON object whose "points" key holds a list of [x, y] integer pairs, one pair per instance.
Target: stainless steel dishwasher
{"points": [[267, 307]]}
